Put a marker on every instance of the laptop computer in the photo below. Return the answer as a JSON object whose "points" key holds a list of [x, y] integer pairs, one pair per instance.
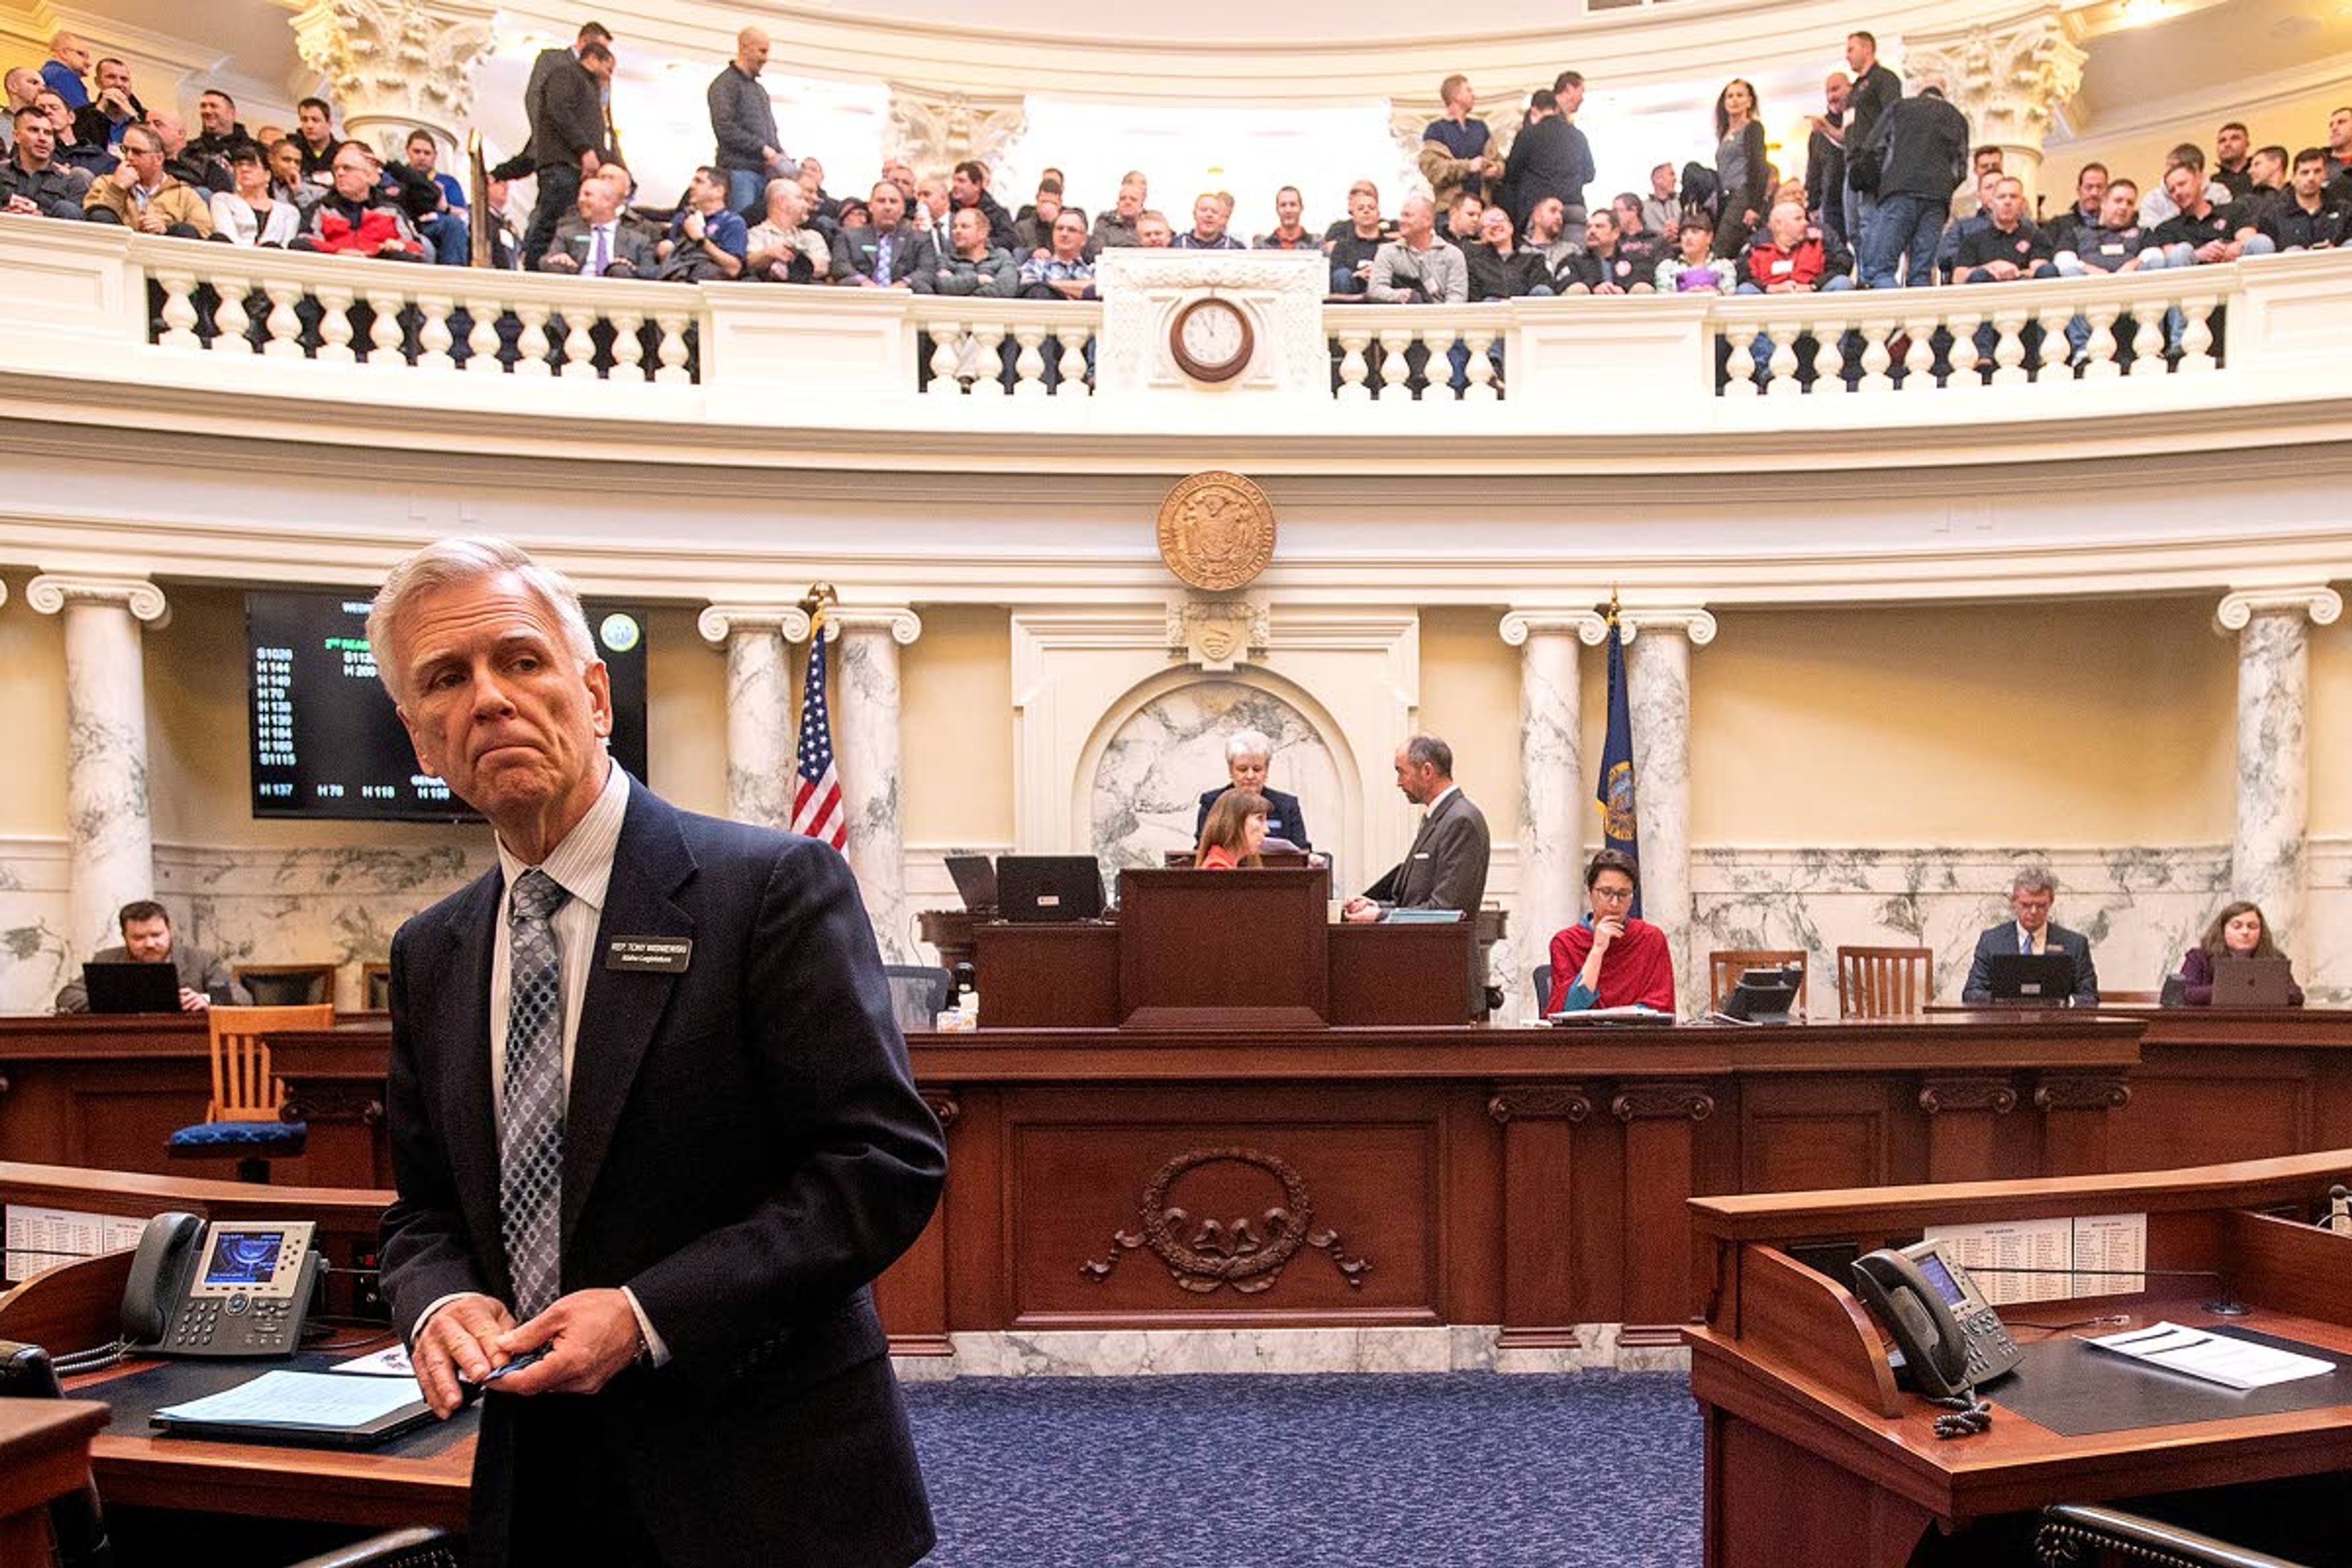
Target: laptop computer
{"points": [[1048, 887], [2030, 979], [975, 881], [124, 987], [2253, 982]]}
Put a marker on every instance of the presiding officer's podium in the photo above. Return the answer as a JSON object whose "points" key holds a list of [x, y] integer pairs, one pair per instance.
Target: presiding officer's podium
{"points": [[1815, 1454], [1253, 949]]}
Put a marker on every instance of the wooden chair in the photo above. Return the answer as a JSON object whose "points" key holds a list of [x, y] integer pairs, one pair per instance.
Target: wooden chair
{"points": [[1883, 982], [288, 985], [242, 1123], [375, 987], [1724, 966]]}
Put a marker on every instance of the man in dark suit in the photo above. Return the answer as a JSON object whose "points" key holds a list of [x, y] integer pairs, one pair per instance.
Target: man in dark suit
{"points": [[1446, 867], [887, 252], [650, 1115], [2030, 898], [1248, 754], [1550, 158], [568, 141], [543, 67]]}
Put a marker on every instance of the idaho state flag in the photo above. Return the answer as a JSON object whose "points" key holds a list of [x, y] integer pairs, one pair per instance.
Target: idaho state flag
{"points": [[1615, 792]]}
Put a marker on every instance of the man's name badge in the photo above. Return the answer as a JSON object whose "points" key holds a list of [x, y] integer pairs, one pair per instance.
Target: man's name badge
{"points": [[649, 955]]}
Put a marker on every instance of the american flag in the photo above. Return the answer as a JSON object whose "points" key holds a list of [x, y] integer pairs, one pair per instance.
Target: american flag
{"points": [[816, 791]]}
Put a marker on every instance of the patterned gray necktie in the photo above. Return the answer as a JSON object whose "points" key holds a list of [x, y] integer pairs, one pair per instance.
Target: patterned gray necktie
{"points": [[531, 1127]]}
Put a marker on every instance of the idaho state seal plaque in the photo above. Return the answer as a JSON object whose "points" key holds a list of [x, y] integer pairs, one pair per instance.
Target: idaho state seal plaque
{"points": [[1216, 531]]}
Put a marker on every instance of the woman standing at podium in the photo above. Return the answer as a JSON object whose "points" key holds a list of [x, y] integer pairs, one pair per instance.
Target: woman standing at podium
{"points": [[1609, 958], [2238, 932], [1232, 832], [1248, 754]]}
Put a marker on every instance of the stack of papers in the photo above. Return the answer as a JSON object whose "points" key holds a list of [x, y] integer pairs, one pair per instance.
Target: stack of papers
{"points": [[2217, 1358], [316, 1403]]}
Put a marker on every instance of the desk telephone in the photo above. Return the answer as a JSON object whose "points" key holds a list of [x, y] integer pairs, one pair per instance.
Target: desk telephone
{"points": [[1948, 1335], [233, 1288]]}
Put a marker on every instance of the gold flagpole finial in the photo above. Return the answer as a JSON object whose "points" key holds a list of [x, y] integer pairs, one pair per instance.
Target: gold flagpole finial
{"points": [[818, 599]]}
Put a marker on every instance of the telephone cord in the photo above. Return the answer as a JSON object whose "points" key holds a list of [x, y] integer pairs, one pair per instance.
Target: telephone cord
{"points": [[1971, 1415]]}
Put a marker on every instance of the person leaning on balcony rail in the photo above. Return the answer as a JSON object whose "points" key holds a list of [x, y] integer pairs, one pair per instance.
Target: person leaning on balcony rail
{"points": [[139, 195], [355, 218], [247, 214], [31, 182], [783, 248]]}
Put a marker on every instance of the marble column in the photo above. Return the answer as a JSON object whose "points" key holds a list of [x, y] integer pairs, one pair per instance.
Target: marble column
{"points": [[1658, 643], [866, 704], [2267, 859], [111, 834], [1555, 793], [2011, 78], [393, 67], [759, 730]]}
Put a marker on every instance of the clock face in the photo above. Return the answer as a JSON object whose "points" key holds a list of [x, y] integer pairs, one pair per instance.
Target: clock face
{"points": [[1212, 339]]}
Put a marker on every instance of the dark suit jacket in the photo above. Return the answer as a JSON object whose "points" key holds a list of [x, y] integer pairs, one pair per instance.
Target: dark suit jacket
{"points": [[1550, 158], [1926, 141], [1284, 816], [743, 1148], [852, 253], [1446, 867], [632, 243], [570, 118], [2003, 938]]}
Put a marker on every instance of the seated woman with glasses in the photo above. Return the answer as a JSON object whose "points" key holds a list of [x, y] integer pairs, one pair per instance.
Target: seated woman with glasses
{"points": [[1232, 834], [2238, 932], [1609, 958]]}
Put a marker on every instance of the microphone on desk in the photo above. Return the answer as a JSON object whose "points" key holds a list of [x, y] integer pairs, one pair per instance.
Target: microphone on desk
{"points": [[2226, 1306]]}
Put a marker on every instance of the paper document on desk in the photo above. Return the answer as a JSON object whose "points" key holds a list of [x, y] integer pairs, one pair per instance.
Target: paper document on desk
{"points": [[2217, 1358], [391, 1362], [312, 1400], [1634, 1013]]}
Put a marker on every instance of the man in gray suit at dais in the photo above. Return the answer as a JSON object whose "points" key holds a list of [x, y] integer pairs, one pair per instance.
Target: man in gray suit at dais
{"points": [[1446, 866]]}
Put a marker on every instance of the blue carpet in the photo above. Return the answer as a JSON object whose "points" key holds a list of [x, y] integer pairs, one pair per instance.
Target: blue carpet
{"points": [[1470, 1469]]}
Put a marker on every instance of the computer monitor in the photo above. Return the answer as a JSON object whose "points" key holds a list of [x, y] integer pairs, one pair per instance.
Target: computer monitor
{"points": [[2252, 983], [1048, 887], [975, 881], [2030, 979], [1765, 995], [131, 987]]}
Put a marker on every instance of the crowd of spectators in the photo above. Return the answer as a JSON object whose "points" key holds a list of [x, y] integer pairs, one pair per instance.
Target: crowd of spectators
{"points": [[1503, 218]]}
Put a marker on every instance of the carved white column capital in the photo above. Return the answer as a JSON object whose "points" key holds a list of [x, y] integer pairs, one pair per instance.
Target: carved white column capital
{"points": [[1587, 628], [1692, 621], [2010, 77], [394, 64], [2323, 603], [903, 624], [51, 592], [932, 129], [719, 621]]}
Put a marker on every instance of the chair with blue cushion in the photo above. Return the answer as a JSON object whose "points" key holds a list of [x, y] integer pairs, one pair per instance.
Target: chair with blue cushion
{"points": [[244, 1122]]}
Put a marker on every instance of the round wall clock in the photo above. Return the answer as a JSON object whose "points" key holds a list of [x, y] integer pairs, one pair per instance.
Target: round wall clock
{"points": [[1211, 338]]}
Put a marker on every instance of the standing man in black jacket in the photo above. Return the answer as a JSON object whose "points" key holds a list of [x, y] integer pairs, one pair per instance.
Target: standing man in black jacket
{"points": [[1923, 144], [743, 119], [1550, 158], [567, 141], [1876, 89]]}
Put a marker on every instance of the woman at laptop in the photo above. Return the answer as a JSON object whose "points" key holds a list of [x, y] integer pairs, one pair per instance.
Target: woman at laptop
{"points": [[2238, 932], [1232, 833], [1609, 958]]}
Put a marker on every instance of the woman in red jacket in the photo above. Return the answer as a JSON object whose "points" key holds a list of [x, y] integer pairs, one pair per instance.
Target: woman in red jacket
{"points": [[1230, 836], [1609, 958]]}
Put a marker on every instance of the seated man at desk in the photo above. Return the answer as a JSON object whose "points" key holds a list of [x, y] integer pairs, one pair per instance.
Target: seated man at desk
{"points": [[1446, 866], [1609, 958], [146, 929], [1248, 754], [2030, 898], [2238, 932]]}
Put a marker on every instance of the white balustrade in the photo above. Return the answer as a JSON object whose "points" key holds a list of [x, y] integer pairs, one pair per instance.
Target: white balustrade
{"points": [[2248, 331]]}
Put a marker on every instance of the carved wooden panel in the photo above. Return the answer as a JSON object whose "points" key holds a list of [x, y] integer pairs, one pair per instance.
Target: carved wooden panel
{"points": [[1175, 1220], [1805, 1133], [2214, 1107]]}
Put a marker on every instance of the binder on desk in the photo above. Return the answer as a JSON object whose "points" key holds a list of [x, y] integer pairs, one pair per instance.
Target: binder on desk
{"points": [[308, 1408]]}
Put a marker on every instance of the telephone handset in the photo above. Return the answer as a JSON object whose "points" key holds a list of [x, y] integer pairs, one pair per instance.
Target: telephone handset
{"points": [[1948, 1335], [233, 1288]]}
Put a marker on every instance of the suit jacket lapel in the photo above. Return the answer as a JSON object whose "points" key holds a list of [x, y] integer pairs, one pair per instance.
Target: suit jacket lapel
{"points": [[1416, 870], [621, 1011], [463, 1022]]}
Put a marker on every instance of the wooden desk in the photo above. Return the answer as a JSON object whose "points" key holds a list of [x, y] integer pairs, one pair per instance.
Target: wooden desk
{"points": [[44, 1454], [1812, 1454]]}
